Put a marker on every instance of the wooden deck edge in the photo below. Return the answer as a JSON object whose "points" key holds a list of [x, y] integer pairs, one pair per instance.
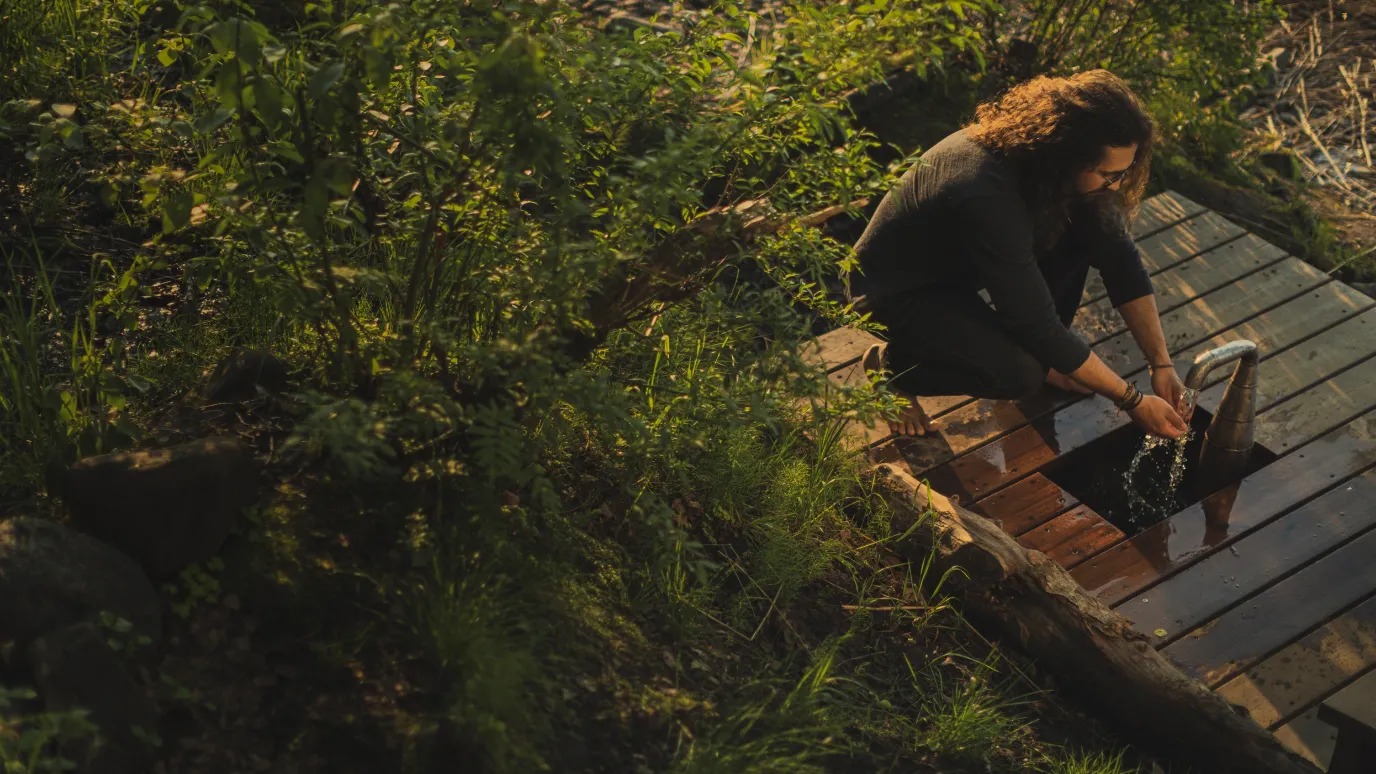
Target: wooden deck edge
{"points": [[1094, 653]]}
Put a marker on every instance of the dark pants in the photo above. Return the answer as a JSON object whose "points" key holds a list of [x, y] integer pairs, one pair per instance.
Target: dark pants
{"points": [[948, 341]]}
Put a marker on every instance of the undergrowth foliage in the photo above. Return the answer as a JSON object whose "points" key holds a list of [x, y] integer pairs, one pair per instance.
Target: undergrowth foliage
{"points": [[516, 257], [431, 202], [509, 250]]}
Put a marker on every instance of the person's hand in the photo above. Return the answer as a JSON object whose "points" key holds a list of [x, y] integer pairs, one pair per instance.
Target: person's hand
{"points": [[1165, 382], [1158, 417]]}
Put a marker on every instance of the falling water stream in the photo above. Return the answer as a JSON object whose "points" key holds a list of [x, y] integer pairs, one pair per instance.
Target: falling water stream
{"points": [[1148, 500]]}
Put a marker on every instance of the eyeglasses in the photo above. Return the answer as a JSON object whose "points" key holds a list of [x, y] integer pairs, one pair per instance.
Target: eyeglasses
{"points": [[1111, 178]]}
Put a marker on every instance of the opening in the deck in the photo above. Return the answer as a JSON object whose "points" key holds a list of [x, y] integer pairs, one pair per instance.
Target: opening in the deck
{"points": [[1101, 475]]}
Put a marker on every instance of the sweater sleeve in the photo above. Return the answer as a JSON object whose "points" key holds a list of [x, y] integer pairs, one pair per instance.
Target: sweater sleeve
{"points": [[998, 234], [1119, 261]]}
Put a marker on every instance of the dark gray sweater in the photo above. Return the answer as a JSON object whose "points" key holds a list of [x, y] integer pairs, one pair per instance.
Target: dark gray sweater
{"points": [[957, 219]]}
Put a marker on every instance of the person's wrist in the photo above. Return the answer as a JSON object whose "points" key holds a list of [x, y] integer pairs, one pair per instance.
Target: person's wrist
{"points": [[1129, 399]]}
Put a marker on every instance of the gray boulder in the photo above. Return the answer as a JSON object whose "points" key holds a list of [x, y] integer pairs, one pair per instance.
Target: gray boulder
{"points": [[52, 577], [167, 508], [75, 668]]}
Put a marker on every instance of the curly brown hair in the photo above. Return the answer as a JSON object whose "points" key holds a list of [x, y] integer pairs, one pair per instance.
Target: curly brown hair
{"points": [[1052, 129]]}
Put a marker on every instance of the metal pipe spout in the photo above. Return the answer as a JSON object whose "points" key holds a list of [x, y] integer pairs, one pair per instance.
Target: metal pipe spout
{"points": [[1228, 441]]}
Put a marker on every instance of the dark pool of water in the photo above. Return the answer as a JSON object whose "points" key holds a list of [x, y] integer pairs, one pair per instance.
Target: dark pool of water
{"points": [[1096, 475]]}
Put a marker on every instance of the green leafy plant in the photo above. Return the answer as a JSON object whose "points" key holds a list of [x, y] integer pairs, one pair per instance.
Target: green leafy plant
{"points": [[27, 740], [120, 634], [196, 585]]}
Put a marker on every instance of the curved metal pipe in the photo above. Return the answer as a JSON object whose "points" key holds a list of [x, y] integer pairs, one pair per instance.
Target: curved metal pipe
{"points": [[1208, 361], [1228, 441]]}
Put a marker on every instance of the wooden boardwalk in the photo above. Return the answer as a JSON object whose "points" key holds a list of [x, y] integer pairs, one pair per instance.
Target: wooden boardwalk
{"points": [[1265, 591]]}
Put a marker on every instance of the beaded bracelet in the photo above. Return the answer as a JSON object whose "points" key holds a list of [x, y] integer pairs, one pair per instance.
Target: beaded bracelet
{"points": [[1156, 367]]}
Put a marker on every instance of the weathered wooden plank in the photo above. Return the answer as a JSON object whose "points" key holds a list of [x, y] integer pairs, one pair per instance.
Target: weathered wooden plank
{"points": [[1060, 529], [1338, 363], [877, 431], [1321, 406], [1088, 543], [1177, 243], [940, 405], [1311, 362], [1162, 210], [1134, 565], [1246, 634], [984, 420], [860, 434], [1025, 505], [984, 470], [975, 424], [1309, 737], [838, 348], [1186, 240], [1186, 600], [1182, 283], [989, 467], [1068, 538], [1307, 670], [1287, 326], [1218, 311]]}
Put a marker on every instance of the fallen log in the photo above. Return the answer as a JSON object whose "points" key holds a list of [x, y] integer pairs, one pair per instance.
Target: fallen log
{"points": [[1099, 660]]}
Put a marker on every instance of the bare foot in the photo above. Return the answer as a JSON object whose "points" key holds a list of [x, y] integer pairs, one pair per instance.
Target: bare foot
{"points": [[1061, 381], [911, 420]]}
